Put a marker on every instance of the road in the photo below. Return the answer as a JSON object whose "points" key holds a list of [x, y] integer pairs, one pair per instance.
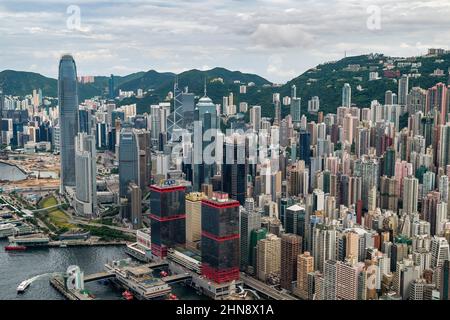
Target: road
{"points": [[265, 289], [48, 208], [29, 189], [74, 220]]}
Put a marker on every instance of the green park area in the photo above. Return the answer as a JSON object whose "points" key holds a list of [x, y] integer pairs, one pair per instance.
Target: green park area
{"points": [[55, 216]]}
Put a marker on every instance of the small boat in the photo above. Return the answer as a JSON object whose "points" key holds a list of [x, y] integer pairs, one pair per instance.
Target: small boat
{"points": [[127, 295], [23, 286], [163, 274], [172, 297], [15, 248]]}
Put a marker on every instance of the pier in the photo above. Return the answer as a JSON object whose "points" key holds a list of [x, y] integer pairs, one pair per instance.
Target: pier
{"points": [[58, 284], [155, 265], [98, 276], [177, 278]]}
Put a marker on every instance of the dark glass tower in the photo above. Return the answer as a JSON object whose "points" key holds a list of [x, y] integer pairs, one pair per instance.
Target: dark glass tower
{"points": [[111, 85], [128, 159], [168, 217], [305, 144], [68, 118], [234, 168], [389, 162], [205, 113], [220, 238]]}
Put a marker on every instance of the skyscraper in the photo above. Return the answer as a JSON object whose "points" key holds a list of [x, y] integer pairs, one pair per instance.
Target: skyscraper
{"points": [[175, 119], [188, 104], [68, 118], [194, 218], [86, 175], [388, 98], [305, 147], [268, 257], [168, 216], [134, 204], [255, 236], [128, 163], [291, 247], [437, 100], [296, 110], [346, 281], [111, 86], [305, 265], [220, 238], [206, 114], [330, 280], [410, 194], [255, 117], [445, 281], [156, 122], [346, 95], [439, 251], [250, 220], [403, 90], [234, 168], [145, 158]]}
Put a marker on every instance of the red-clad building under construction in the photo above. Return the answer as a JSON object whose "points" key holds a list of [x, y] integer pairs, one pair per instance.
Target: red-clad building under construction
{"points": [[220, 238], [168, 217]]}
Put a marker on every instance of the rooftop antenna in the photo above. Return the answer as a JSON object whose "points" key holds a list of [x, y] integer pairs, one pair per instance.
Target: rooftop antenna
{"points": [[205, 86]]}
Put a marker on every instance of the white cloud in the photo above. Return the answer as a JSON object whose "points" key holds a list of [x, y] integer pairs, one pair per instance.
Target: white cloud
{"points": [[285, 36], [180, 35]]}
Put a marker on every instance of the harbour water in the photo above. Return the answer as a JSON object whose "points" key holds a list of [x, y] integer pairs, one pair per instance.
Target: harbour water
{"points": [[18, 266], [9, 172]]}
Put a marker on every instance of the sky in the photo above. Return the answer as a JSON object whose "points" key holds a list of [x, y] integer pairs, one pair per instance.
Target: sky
{"points": [[276, 39]]}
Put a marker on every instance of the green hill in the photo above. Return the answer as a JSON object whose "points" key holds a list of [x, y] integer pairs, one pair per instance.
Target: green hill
{"points": [[325, 80]]}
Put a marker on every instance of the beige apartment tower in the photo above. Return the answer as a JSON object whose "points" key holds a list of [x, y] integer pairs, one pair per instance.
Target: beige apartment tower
{"points": [[305, 265], [268, 256], [194, 219]]}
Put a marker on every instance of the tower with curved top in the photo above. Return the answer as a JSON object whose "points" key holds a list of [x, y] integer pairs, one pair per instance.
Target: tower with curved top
{"points": [[68, 118]]}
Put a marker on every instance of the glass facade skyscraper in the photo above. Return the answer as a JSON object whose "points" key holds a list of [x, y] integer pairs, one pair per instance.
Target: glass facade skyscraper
{"points": [[305, 147], [234, 168], [68, 118], [168, 217], [220, 238], [128, 159], [86, 178], [205, 113]]}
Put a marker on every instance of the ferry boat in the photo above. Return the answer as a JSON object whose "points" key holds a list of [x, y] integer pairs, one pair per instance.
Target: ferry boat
{"points": [[7, 230], [23, 286], [15, 247], [140, 249]]}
